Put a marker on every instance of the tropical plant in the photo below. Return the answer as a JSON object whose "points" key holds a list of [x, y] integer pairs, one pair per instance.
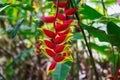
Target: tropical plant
{"points": [[59, 40]]}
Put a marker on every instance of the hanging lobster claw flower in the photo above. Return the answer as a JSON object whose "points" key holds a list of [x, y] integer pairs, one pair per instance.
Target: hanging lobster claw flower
{"points": [[59, 49], [70, 11], [48, 19], [63, 33], [59, 58], [50, 44], [52, 67], [50, 52], [61, 16], [49, 33], [60, 39]]}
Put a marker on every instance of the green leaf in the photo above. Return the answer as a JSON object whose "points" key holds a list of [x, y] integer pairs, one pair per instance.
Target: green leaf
{"points": [[114, 34], [96, 32], [84, 25], [113, 57], [14, 33], [4, 16], [76, 2], [100, 34], [1, 9], [61, 71], [77, 36], [89, 12], [101, 49], [114, 40], [107, 2], [106, 19], [113, 29], [27, 7]]}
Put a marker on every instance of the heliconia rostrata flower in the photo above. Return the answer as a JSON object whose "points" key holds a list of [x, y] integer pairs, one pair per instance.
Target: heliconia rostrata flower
{"points": [[56, 43]]}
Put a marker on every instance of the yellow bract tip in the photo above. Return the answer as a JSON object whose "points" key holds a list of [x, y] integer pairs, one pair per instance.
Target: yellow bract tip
{"points": [[70, 34], [39, 29]]}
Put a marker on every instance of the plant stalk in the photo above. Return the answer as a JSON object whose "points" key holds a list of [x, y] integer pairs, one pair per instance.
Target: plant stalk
{"points": [[114, 62], [104, 9], [57, 9], [88, 47]]}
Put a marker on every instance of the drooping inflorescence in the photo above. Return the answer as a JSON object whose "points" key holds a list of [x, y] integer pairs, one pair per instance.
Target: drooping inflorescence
{"points": [[56, 44]]}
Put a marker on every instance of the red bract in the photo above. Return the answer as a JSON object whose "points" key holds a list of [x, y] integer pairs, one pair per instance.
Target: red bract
{"points": [[49, 33], [61, 27], [68, 22], [52, 66], [59, 49], [61, 16], [62, 4], [57, 25], [66, 54], [118, 73], [63, 33], [111, 77], [50, 44], [70, 11], [59, 58], [50, 52], [48, 19], [60, 39]]}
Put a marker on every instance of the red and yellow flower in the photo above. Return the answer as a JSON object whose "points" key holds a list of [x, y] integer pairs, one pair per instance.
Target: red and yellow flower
{"points": [[56, 42]]}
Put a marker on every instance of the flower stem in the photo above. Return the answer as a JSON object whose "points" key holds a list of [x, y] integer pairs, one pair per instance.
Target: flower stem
{"points": [[104, 9], [87, 44], [57, 9]]}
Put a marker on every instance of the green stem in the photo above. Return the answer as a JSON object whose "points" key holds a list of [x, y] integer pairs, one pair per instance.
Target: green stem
{"points": [[57, 9], [88, 47], [114, 66], [30, 22], [104, 9], [78, 64]]}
